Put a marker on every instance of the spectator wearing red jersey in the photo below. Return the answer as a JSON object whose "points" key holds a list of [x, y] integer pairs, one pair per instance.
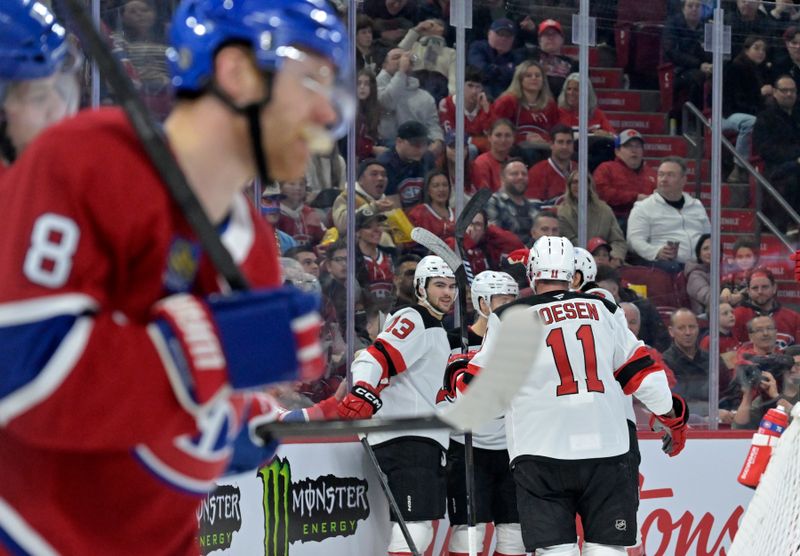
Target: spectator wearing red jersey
{"points": [[486, 246], [547, 179], [626, 179], [374, 266], [601, 132], [485, 172], [728, 344], [434, 213], [762, 291], [529, 105], [477, 110], [568, 108], [298, 219]]}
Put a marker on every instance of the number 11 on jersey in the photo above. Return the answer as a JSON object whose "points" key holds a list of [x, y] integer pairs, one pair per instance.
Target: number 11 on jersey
{"points": [[568, 386]]}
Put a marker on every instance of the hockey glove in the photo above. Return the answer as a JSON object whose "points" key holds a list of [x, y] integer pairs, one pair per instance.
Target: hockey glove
{"points": [[361, 403], [674, 428], [796, 258], [456, 377], [249, 450], [246, 340]]}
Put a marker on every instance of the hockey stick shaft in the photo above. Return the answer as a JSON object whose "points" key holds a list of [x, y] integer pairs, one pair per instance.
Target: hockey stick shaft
{"points": [[390, 497], [320, 429], [154, 144], [475, 205]]}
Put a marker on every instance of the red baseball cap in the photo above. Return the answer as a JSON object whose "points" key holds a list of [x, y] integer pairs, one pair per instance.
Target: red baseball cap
{"points": [[548, 24], [519, 256], [596, 242]]}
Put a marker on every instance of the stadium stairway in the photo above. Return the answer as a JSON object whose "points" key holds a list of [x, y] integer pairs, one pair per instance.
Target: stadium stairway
{"points": [[641, 110]]}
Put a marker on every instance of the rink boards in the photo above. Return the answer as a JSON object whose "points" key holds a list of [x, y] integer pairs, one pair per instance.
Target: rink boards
{"points": [[323, 498]]}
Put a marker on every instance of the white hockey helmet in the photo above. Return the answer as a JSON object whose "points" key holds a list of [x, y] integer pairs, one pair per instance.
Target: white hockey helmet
{"points": [[585, 263], [489, 283], [430, 266], [551, 258]]}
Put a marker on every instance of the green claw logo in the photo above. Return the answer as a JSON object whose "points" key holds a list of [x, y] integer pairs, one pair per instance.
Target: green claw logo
{"points": [[310, 510]]}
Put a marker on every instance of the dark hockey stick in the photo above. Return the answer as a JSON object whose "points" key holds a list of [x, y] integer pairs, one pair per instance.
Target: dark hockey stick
{"points": [[472, 208], [395, 509], [154, 144]]}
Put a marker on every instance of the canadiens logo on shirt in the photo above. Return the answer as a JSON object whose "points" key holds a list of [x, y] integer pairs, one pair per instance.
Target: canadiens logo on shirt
{"points": [[183, 260]]}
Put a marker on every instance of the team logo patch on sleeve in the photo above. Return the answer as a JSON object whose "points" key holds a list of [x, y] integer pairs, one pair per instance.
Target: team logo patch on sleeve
{"points": [[183, 261]]}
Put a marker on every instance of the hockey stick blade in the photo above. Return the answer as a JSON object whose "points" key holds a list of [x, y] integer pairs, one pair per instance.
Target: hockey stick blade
{"points": [[473, 207], [518, 343], [437, 246]]}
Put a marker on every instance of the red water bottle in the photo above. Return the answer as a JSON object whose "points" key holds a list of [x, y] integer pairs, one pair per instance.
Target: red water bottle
{"points": [[771, 428]]}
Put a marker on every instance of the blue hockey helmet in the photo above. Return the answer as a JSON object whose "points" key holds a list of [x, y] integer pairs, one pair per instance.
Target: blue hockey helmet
{"points": [[201, 27], [32, 44]]}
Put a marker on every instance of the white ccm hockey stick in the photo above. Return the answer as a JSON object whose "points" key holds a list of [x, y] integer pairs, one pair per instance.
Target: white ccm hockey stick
{"points": [[519, 341]]}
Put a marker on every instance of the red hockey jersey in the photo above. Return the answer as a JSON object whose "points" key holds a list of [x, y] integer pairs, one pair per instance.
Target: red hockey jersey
{"points": [[95, 446]]}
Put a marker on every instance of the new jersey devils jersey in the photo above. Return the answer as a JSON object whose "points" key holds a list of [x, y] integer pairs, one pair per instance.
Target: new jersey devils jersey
{"points": [[573, 404], [411, 353], [94, 445]]}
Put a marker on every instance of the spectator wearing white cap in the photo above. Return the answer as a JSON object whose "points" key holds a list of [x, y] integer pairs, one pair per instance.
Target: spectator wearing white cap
{"points": [[626, 179]]}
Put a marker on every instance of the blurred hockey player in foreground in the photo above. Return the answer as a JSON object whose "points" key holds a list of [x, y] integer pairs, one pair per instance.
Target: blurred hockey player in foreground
{"points": [[126, 377], [38, 75]]}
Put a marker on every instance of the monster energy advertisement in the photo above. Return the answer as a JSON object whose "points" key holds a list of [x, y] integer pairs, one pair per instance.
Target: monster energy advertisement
{"points": [[310, 510]]}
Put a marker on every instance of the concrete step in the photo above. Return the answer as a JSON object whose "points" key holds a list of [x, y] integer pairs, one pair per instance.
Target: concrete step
{"points": [[665, 145], [606, 78], [643, 122], [595, 54], [630, 100], [735, 196]]}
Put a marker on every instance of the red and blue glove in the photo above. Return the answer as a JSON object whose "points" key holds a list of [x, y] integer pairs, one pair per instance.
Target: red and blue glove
{"points": [[251, 451], [674, 428], [245, 340]]}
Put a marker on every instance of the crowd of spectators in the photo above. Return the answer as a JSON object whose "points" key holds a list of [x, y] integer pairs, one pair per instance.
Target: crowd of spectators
{"points": [[520, 115]]}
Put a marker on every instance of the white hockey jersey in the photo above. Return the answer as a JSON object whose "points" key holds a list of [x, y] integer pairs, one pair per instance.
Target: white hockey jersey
{"points": [[573, 405], [491, 435], [407, 360]]}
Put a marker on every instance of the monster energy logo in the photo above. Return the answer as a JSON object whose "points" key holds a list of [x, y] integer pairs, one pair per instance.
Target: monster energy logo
{"points": [[277, 482], [309, 510]]}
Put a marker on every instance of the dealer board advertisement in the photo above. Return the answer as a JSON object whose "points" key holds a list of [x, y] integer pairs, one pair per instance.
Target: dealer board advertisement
{"points": [[325, 499]]}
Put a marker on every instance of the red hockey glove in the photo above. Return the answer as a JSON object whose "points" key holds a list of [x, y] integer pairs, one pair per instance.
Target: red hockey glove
{"points": [[456, 377], [796, 258], [674, 428], [361, 403]]}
